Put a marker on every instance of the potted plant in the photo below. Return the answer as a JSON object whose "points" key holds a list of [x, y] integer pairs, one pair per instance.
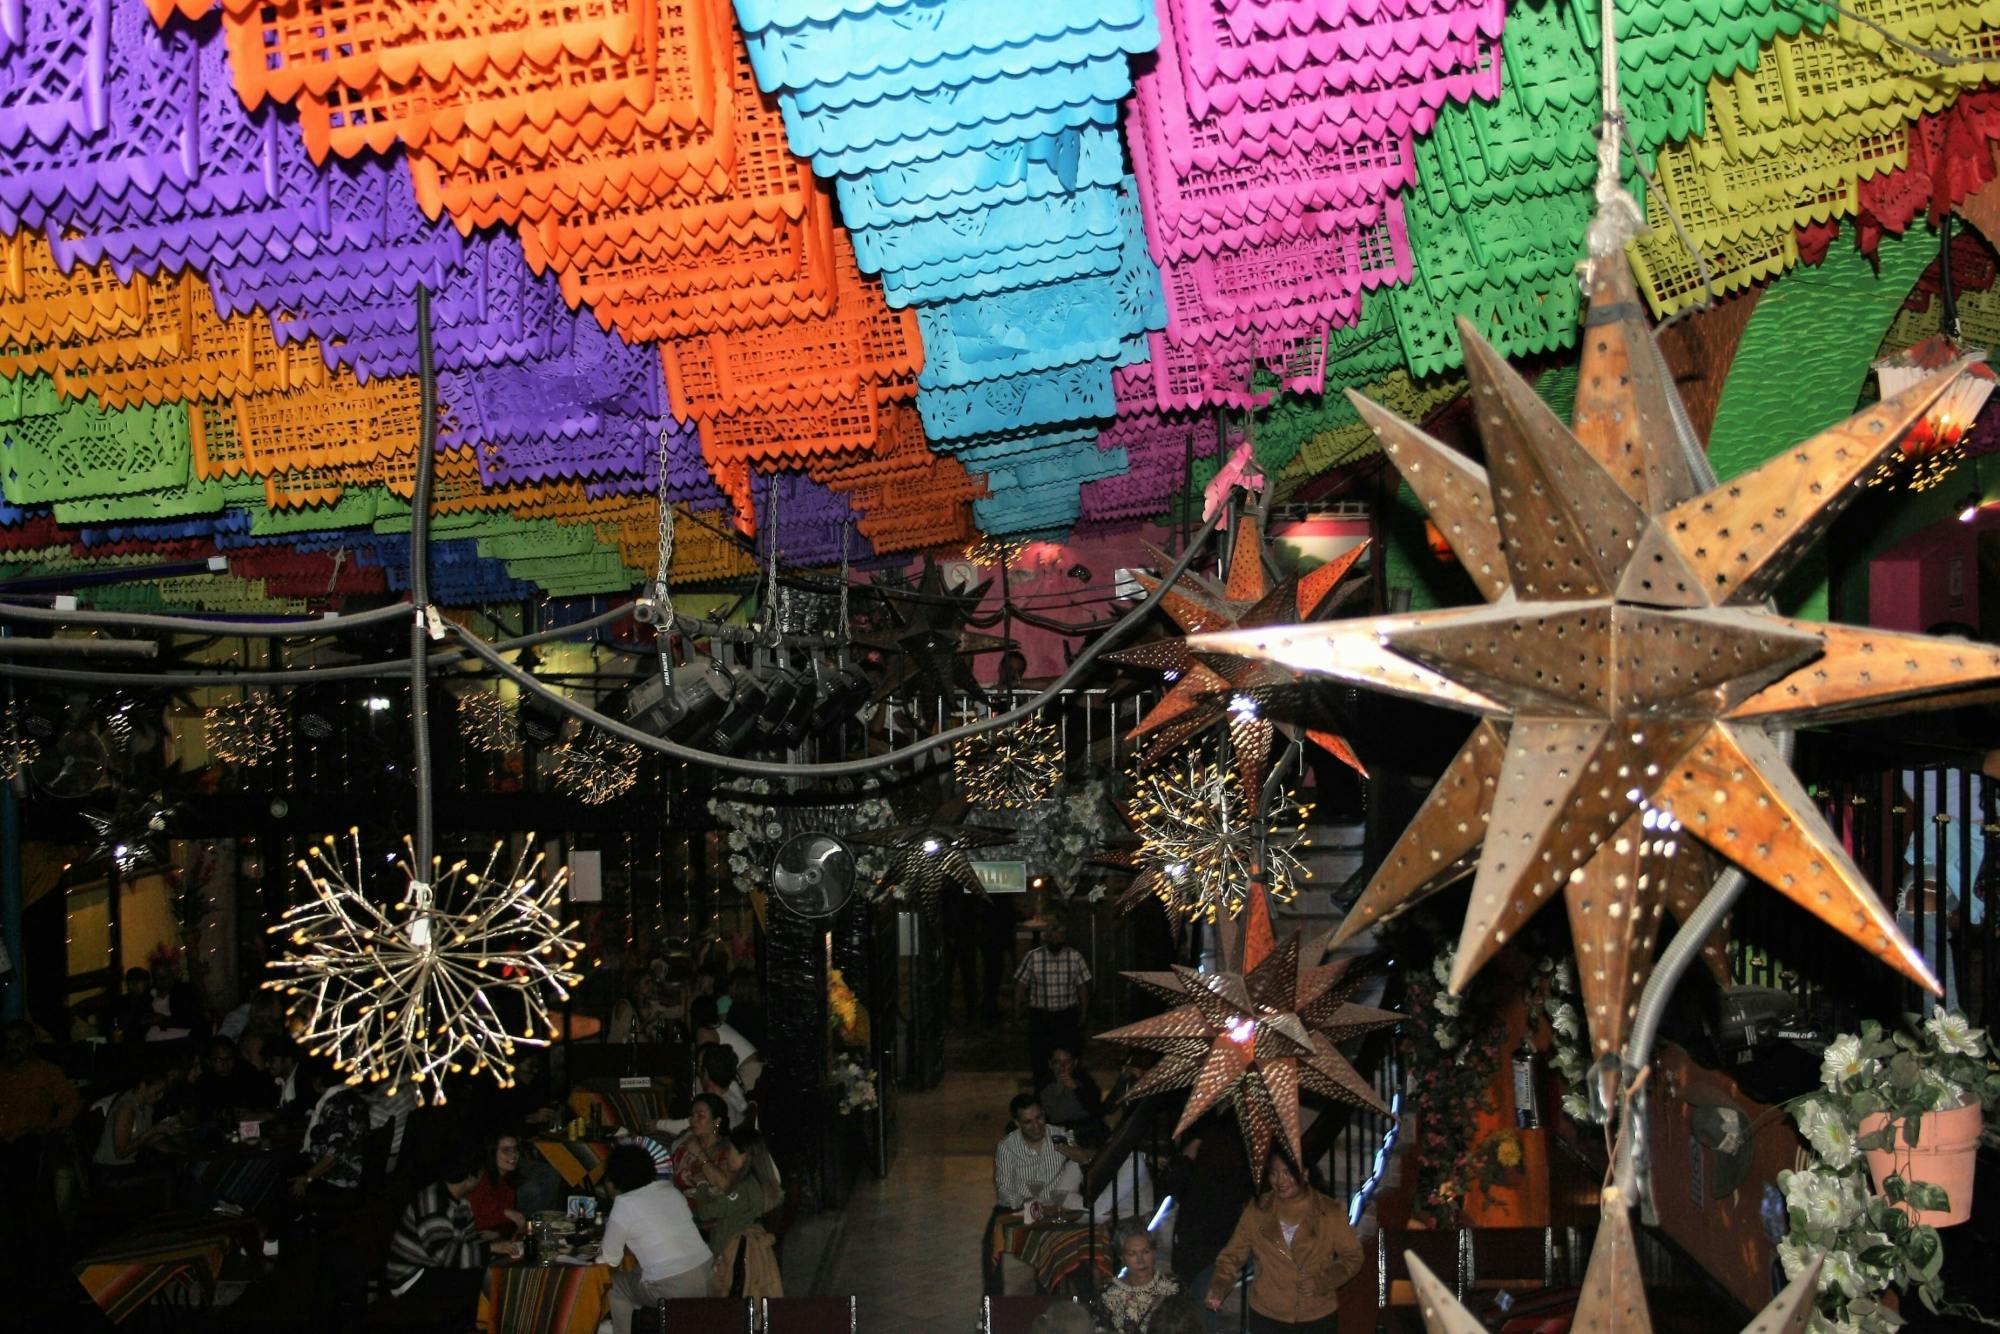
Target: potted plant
{"points": [[1917, 1101], [1889, 1109]]}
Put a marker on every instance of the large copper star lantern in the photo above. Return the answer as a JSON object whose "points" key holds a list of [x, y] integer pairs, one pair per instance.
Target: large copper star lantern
{"points": [[1252, 1040], [1202, 695], [1613, 1297], [1629, 669]]}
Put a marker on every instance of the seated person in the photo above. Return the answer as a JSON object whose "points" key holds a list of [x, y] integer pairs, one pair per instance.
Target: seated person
{"points": [[1127, 1302], [493, 1199], [36, 1097], [336, 1130], [134, 1016], [701, 1145], [730, 1191], [130, 1133], [280, 1057], [1033, 1165], [1071, 1097], [715, 1067], [706, 1020], [437, 1259], [650, 1219], [224, 1087]]}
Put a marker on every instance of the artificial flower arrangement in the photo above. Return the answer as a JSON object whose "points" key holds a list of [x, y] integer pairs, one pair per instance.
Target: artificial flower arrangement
{"points": [[1887, 1105], [1451, 1047], [848, 1016], [1553, 992], [856, 1083]]}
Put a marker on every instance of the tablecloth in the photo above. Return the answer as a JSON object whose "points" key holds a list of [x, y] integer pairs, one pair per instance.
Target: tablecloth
{"points": [[544, 1299], [633, 1108], [133, 1268], [580, 1162], [253, 1181], [1053, 1250]]}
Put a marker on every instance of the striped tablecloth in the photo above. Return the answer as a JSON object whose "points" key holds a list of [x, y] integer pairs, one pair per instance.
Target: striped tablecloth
{"points": [[580, 1162], [132, 1269], [1053, 1250], [544, 1299], [252, 1181], [636, 1109]]}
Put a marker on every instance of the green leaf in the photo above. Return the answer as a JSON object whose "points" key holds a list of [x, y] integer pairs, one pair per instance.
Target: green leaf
{"points": [[1895, 1188], [1926, 1196], [1911, 1125], [1877, 1140], [1882, 1257]]}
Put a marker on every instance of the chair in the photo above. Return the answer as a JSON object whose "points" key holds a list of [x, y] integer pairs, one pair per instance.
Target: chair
{"points": [[1445, 1252], [695, 1315], [810, 1315], [1013, 1315]]}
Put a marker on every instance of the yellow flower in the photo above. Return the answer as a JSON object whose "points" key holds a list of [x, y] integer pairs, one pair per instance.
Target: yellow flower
{"points": [[1508, 1151]]}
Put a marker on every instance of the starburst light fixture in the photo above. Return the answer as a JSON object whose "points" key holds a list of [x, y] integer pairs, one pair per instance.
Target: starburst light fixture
{"points": [[1009, 769], [245, 731], [595, 768], [1630, 667], [487, 723], [1202, 843], [403, 994], [18, 750]]}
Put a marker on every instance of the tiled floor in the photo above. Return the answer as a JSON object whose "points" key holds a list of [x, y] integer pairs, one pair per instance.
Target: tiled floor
{"points": [[909, 1246]]}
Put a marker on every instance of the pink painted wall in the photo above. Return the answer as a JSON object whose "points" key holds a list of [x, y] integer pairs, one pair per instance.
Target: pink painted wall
{"points": [[1928, 577]]}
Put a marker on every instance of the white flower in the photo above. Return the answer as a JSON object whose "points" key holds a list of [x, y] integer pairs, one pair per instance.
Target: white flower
{"points": [[1576, 1107], [738, 839], [1569, 1064], [1565, 979], [1844, 1062], [1839, 1270], [1954, 1034], [1795, 1256], [1445, 1036], [1828, 1133], [740, 865], [1566, 1020], [1826, 1200], [1441, 967], [1447, 1004]]}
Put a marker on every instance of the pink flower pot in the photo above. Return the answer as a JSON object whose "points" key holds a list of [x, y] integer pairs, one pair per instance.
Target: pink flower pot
{"points": [[1948, 1141]]}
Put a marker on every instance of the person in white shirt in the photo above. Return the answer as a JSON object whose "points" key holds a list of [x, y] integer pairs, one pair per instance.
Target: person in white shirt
{"points": [[708, 1027], [650, 1218], [1032, 1164]]}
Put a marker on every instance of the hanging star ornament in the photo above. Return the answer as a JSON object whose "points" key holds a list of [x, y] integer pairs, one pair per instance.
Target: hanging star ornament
{"points": [[595, 768], [404, 994], [1613, 1297], [1205, 694], [926, 651], [1253, 1040], [1629, 670]]}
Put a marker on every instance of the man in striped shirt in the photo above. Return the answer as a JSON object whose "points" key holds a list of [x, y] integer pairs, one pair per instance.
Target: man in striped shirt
{"points": [[1052, 987], [437, 1259]]}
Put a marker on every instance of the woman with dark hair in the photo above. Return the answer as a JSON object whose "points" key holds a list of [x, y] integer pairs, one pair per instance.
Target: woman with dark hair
{"points": [[129, 1128], [729, 1192], [715, 1065], [700, 1146], [493, 1199], [650, 1219], [1305, 1252]]}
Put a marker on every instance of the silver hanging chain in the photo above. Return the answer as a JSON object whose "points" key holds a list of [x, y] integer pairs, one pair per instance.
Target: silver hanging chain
{"points": [[663, 597], [846, 526], [771, 571]]}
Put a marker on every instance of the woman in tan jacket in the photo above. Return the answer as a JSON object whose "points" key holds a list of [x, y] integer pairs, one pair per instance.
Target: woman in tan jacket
{"points": [[1305, 1252]]}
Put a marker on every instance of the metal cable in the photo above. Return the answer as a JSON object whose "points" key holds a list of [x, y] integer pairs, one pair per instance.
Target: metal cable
{"points": [[188, 625], [420, 586], [869, 764]]}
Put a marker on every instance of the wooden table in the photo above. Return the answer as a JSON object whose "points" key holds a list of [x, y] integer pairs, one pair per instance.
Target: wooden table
{"points": [[544, 1299], [169, 1251]]}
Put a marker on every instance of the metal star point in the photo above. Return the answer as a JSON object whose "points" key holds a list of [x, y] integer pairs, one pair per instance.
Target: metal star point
{"points": [[1628, 668]]}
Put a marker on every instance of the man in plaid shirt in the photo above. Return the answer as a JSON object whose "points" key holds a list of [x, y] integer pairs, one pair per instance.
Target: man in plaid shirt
{"points": [[1053, 986]]}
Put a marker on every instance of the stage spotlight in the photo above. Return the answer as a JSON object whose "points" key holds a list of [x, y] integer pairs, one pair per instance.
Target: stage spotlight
{"points": [[701, 693]]}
